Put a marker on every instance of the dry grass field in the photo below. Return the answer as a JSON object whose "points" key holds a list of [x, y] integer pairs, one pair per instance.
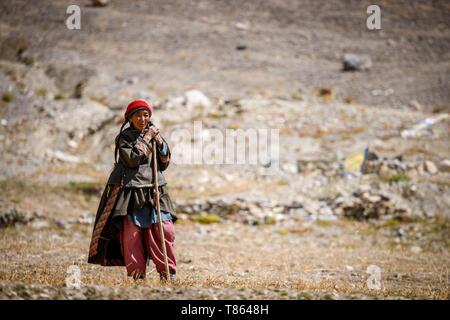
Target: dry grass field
{"points": [[225, 260]]}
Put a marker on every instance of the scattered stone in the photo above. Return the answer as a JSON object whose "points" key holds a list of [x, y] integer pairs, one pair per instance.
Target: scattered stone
{"points": [[62, 156], [364, 205], [396, 169], [13, 47], [386, 171], [381, 92], [15, 216], [61, 224], [86, 218], [400, 233], [242, 26], [240, 210], [416, 249], [415, 105], [328, 167], [289, 167], [355, 62], [391, 42], [133, 80], [444, 165], [100, 3], [196, 98], [40, 224], [72, 144], [72, 221], [430, 167]]}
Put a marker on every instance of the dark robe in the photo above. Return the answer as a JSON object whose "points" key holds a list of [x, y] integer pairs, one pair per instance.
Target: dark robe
{"points": [[127, 189]]}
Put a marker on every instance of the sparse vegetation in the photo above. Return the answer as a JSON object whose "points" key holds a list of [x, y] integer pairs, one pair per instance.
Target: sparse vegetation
{"points": [[296, 95], [216, 115], [325, 94], [233, 126], [392, 223], [282, 232], [207, 218], [89, 188], [41, 92], [270, 220], [324, 223], [348, 99], [60, 96], [8, 97], [396, 178]]}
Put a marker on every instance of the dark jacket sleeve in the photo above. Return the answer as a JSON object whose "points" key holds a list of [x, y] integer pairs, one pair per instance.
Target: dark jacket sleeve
{"points": [[132, 153], [163, 160]]}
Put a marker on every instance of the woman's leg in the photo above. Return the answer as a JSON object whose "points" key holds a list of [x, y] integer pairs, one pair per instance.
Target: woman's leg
{"points": [[153, 243], [133, 251]]}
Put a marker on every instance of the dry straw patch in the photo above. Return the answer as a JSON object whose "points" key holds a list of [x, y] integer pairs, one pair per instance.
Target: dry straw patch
{"points": [[234, 256]]}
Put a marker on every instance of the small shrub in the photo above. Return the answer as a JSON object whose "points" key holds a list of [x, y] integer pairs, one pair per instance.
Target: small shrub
{"points": [[392, 223], [8, 97], [269, 220], [348, 100], [207, 219], [326, 94], [60, 96], [89, 188], [397, 177], [296, 95], [41, 92], [323, 223]]}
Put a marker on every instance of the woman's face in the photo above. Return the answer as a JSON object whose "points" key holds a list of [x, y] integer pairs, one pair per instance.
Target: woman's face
{"points": [[140, 119]]}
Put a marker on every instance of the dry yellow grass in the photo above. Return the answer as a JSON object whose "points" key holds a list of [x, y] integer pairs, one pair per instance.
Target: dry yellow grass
{"points": [[310, 258], [236, 256]]}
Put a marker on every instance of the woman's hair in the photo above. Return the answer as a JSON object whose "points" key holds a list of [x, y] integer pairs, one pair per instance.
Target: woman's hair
{"points": [[116, 149]]}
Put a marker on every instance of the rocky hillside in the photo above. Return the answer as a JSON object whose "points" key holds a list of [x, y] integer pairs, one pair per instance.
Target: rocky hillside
{"points": [[211, 66]]}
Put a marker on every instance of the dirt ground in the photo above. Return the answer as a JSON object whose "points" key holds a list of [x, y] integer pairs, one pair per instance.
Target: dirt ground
{"points": [[230, 260]]}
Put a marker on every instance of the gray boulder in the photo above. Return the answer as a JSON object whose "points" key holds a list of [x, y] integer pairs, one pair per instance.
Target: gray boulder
{"points": [[356, 62]]}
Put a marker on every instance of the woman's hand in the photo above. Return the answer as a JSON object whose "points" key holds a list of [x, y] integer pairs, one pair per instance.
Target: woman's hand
{"points": [[150, 134], [159, 140], [153, 132]]}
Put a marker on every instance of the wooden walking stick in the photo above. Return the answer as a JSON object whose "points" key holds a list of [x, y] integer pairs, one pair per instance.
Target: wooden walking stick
{"points": [[156, 201]]}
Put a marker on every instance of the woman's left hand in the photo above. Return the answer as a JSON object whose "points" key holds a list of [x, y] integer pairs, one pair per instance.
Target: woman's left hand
{"points": [[159, 140]]}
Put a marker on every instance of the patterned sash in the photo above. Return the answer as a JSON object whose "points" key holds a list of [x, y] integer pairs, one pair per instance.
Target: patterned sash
{"points": [[110, 202]]}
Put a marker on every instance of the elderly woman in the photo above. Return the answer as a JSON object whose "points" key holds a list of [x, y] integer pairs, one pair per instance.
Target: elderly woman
{"points": [[126, 231]]}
